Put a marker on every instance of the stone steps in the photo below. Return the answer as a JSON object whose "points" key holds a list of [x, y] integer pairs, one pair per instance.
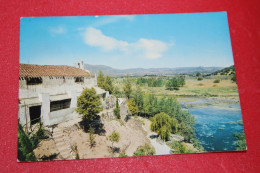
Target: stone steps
{"points": [[62, 144]]}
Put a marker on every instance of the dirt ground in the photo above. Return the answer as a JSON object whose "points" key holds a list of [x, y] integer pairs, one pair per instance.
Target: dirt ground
{"points": [[131, 133]]}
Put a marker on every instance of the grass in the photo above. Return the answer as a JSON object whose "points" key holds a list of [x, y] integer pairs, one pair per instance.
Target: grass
{"points": [[192, 88]]}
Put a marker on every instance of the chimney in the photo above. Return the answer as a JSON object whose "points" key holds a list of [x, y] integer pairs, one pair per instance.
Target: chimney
{"points": [[80, 65]]}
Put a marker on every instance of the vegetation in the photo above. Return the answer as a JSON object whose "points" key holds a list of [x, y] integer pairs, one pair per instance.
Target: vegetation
{"points": [[114, 137], [151, 82], [89, 105], [175, 83], [200, 78], [163, 124], [25, 146], [74, 148], [117, 110], [198, 74], [92, 136], [128, 87], [241, 141], [145, 150], [216, 81], [132, 106], [105, 82], [180, 148]]}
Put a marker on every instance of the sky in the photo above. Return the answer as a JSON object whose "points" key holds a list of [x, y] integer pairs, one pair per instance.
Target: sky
{"points": [[128, 41]]}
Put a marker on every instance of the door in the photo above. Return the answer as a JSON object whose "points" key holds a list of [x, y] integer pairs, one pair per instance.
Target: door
{"points": [[35, 114]]}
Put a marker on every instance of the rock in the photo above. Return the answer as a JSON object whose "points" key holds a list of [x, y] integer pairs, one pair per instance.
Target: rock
{"points": [[110, 102], [174, 137]]}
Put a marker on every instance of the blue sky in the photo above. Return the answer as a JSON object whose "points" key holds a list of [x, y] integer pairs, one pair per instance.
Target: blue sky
{"points": [[128, 41]]}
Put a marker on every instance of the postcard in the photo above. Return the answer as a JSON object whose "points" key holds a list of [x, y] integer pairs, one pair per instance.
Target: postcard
{"points": [[127, 85]]}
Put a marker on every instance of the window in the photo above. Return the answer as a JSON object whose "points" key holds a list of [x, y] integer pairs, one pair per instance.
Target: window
{"points": [[61, 104], [33, 80], [79, 79]]}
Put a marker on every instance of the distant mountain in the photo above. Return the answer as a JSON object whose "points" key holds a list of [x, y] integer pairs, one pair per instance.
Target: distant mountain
{"points": [[150, 71]]}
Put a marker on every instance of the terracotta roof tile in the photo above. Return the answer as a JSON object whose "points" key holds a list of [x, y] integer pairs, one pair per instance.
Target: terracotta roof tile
{"points": [[28, 70]]}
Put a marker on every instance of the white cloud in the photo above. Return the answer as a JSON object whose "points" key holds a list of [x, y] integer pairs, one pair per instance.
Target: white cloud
{"points": [[150, 49], [111, 19], [57, 30]]}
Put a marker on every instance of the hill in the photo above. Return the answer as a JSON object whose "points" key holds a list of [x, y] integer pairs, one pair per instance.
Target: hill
{"points": [[150, 71]]}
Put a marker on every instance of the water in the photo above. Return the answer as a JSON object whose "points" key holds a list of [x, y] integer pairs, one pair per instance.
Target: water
{"points": [[215, 126]]}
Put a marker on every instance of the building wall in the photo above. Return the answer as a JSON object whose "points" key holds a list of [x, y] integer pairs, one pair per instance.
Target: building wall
{"points": [[54, 86]]}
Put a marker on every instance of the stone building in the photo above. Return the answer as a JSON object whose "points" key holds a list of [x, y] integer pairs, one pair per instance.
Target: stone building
{"points": [[48, 93]]}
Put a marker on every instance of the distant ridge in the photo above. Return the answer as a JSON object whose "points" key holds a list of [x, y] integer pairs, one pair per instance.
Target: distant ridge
{"points": [[94, 69]]}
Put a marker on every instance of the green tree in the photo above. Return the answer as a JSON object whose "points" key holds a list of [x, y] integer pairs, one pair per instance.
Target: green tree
{"points": [[173, 84], [180, 148], [25, 147], [114, 137], [216, 81], [127, 87], [163, 124], [108, 85], [101, 79], [117, 110], [89, 105], [198, 74], [132, 107], [145, 150], [200, 78], [234, 78]]}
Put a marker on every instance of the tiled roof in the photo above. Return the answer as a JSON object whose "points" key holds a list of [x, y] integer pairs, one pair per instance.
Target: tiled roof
{"points": [[28, 70]]}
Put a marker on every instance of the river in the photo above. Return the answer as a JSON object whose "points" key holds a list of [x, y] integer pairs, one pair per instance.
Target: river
{"points": [[215, 123]]}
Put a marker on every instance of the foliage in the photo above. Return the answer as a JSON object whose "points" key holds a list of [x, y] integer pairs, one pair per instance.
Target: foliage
{"points": [[163, 124], [151, 81], [216, 81], [145, 150], [133, 108], [101, 79], [198, 74], [127, 87], [108, 86], [92, 137], [175, 83], [225, 71], [234, 78], [114, 137], [25, 146], [200, 78], [74, 148], [180, 148], [105, 82], [117, 110], [89, 105], [241, 141]]}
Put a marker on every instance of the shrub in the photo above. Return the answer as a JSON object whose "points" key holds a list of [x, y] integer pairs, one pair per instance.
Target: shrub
{"points": [[145, 150], [133, 108], [216, 81], [200, 78], [25, 146], [114, 137], [92, 137], [180, 148]]}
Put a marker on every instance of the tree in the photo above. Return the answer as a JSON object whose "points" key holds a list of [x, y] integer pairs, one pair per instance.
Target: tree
{"points": [[173, 84], [234, 78], [200, 78], [163, 124], [128, 87], [180, 148], [89, 105], [132, 106], [216, 81], [145, 150], [100, 79], [108, 86], [117, 110], [114, 137], [25, 147], [198, 74]]}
